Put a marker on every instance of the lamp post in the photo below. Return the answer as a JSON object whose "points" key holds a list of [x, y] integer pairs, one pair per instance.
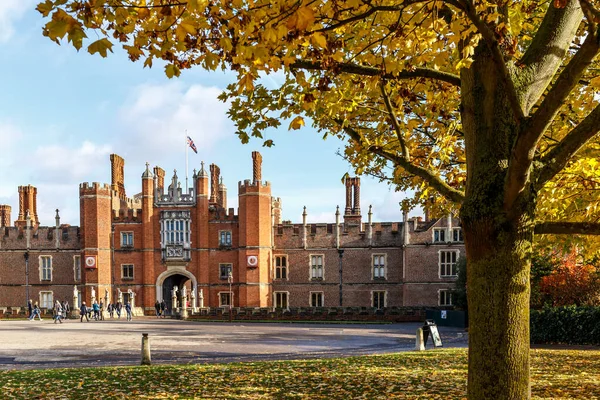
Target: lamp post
{"points": [[341, 253], [230, 280], [26, 257]]}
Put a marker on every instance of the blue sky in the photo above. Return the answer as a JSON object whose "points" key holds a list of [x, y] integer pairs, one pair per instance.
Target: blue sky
{"points": [[62, 113]]}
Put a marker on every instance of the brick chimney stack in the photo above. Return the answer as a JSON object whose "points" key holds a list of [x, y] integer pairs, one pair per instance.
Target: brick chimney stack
{"points": [[117, 169], [352, 209], [27, 201], [256, 167], [4, 215], [215, 173], [159, 173]]}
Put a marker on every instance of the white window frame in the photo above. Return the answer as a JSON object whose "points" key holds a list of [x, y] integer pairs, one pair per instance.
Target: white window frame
{"points": [[227, 236], [77, 268], [221, 265], [287, 299], [385, 298], [176, 231], [45, 267], [123, 277], [446, 264], [460, 233], [124, 236], [310, 299], [281, 267], [385, 269], [51, 302], [310, 267], [228, 293], [443, 232], [447, 294]]}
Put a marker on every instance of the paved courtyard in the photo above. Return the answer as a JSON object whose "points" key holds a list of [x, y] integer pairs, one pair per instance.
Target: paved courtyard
{"points": [[43, 344]]}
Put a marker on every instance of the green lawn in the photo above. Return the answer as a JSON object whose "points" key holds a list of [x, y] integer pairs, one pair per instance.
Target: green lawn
{"points": [[441, 374]]}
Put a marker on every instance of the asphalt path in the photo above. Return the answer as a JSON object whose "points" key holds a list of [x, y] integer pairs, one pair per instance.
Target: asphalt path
{"points": [[43, 344]]}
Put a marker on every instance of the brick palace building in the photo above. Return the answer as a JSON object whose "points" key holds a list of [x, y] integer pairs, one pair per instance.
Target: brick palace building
{"points": [[153, 245]]}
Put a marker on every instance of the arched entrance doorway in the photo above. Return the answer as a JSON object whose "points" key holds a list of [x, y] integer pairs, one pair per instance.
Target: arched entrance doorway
{"points": [[175, 277]]}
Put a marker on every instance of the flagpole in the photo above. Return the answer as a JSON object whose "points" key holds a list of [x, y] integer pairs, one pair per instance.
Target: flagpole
{"points": [[186, 163]]}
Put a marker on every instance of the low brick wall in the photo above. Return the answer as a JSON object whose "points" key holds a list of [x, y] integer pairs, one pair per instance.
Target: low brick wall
{"points": [[390, 314]]}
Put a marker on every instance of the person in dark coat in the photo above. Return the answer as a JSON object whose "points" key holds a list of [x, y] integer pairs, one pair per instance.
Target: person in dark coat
{"points": [[128, 310], [163, 308], [119, 308], [157, 308], [83, 311], [30, 307]]}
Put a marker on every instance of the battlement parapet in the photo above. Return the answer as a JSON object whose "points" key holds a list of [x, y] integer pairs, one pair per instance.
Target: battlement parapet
{"points": [[127, 215], [247, 186], [289, 235], [42, 237], [221, 214], [94, 188]]}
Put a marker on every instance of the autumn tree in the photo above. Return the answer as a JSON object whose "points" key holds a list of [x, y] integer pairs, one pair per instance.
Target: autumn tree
{"points": [[573, 282], [489, 106]]}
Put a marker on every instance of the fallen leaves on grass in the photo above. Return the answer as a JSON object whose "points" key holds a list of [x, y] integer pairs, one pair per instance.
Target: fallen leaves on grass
{"points": [[439, 374]]}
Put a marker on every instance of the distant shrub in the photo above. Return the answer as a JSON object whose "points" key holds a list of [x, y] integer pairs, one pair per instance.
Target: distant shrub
{"points": [[569, 324]]}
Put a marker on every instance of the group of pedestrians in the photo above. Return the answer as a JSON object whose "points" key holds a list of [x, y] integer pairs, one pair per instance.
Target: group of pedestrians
{"points": [[60, 311], [161, 309], [98, 311]]}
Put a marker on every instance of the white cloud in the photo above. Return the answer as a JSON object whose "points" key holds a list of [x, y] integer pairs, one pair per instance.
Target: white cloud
{"points": [[156, 118], [11, 11], [66, 164]]}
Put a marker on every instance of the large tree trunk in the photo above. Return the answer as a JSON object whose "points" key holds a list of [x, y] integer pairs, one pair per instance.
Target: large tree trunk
{"points": [[498, 243]]}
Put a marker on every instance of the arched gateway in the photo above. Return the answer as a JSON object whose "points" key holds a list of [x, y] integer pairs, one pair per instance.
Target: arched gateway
{"points": [[170, 278]]}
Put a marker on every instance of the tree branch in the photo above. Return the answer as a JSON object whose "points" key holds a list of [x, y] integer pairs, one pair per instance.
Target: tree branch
{"points": [[390, 109], [547, 50], [567, 80], [490, 39], [363, 70], [428, 176], [567, 228], [523, 151], [558, 157]]}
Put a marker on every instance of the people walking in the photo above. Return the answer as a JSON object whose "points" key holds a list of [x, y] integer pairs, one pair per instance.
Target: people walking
{"points": [[30, 308], [111, 310], [36, 311], [157, 308], [119, 308], [83, 311], [163, 308], [128, 310], [58, 310], [96, 309], [66, 309], [101, 311]]}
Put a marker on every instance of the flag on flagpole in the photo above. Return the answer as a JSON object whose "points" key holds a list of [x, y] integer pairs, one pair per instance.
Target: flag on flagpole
{"points": [[190, 142]]}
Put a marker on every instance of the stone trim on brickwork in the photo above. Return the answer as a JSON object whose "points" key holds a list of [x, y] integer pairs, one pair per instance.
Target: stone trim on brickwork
{"points": [[287, 299], [128, 278], [310, 298], [174, 270], [231, 298], [41, 267], [40, 304], [385, 297], [448, 293], [122, 236], [385, 266], [310, 267], [440, 262], [287, 267]]}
